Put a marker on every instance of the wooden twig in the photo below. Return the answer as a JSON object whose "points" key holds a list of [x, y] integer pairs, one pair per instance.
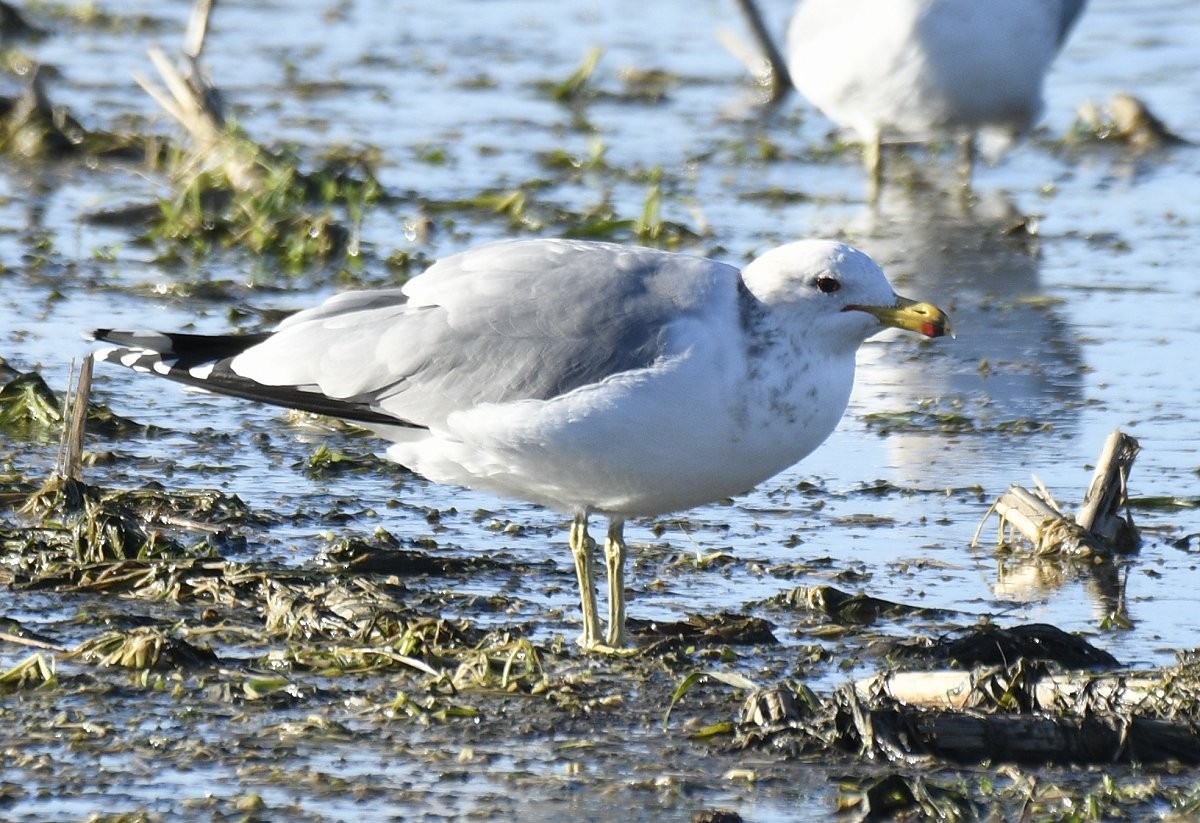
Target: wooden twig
{"points": [[29, 641], [70, 450]]}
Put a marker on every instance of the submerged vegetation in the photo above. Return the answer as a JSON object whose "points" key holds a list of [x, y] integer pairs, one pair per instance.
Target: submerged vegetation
{"points": [[303, 212]]}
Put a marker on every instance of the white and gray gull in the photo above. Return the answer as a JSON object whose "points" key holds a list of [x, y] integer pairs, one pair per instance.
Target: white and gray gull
{"points": [[920, 70], [588, 377]]}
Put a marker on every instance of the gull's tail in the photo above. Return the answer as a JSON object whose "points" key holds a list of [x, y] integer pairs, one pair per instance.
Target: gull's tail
{"points": [[204, 362]]}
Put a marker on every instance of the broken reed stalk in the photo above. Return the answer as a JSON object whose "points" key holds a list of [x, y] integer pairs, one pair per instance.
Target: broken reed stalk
{"points": [[197, 28], [1141, 692], [194, 102], [1020, 714], [1106, 494], [1023, 714], [195, 108], [70, 450], [1098, 527], [32, 643], [1043, 524], [180, 100]]}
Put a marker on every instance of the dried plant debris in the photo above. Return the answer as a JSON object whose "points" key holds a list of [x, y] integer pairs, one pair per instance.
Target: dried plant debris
{"points": [[232, 191], [863, 726], [1098, 528], [34, 672], [1125, 119], [79, 524], [1024, 710], [105, 544], [1032, 686], [12, 631], [27, 404], [143, 648], [75, 523], [358, 610], [901, 797]]}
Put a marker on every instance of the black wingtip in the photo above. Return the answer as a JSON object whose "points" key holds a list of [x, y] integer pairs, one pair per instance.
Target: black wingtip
{"points": [[203, 361]]}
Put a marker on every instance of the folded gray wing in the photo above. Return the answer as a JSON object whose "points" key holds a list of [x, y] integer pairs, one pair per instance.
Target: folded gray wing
{"points": [[529, 319]]}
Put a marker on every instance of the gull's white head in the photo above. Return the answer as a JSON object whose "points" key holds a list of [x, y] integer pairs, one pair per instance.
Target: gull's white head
{"points": [[836, 291]]}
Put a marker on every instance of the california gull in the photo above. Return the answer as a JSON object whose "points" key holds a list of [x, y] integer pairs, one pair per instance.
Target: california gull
{"points": [[589, 377]]}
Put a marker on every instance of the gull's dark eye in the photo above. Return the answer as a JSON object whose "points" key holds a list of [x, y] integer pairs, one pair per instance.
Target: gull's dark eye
{"points": [[828, 284]]}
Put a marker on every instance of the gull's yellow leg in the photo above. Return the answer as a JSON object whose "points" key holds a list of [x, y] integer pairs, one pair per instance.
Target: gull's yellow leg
{"points": [[582, 547], [614, 559]]}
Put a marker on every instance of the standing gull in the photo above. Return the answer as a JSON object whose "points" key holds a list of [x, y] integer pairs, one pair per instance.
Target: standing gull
{"points": [[921, 70], [587, 377]]}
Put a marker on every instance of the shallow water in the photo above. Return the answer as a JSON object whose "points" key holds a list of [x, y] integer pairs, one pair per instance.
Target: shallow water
{"points": [[1088, 326]]}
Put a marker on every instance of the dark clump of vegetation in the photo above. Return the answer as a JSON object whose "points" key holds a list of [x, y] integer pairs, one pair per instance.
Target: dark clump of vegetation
{"points": [[30, 408], [33, 128], [1011, 714], [78, 524], [991, 645], [26, 403]]}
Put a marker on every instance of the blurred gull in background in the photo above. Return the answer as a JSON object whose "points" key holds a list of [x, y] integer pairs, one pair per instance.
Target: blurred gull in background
{"points": [[924, 70]]}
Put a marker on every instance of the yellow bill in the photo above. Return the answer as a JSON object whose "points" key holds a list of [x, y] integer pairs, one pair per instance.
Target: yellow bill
{"points": [[923, 318]]}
